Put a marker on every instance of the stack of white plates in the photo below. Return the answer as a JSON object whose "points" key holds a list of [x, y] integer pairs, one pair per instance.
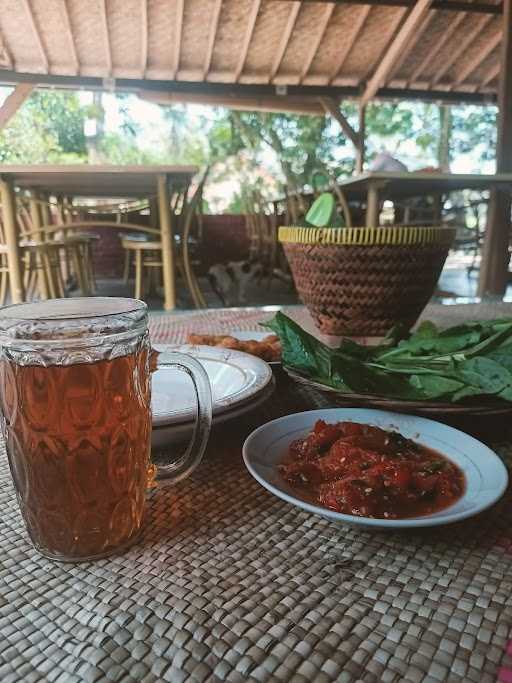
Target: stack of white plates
{"points": [[239, 382]]}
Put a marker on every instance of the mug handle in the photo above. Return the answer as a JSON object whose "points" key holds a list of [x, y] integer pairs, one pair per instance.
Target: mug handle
{"points": [[175, 470]]}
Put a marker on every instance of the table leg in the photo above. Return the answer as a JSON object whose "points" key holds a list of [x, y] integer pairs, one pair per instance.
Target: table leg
{"points": [[168, 265], [138, 274], [372, 206], [11, 240]]}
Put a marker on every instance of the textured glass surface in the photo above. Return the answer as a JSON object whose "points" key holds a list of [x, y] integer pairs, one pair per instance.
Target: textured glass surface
{"points": [[77, 425]]}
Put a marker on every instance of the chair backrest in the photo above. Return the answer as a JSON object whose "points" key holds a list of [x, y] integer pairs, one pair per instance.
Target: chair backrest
{"points": [[261, 224], [191, 208]]}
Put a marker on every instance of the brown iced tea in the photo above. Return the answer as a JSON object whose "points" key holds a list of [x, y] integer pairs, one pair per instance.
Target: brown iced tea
{"points": [[78, 440]]}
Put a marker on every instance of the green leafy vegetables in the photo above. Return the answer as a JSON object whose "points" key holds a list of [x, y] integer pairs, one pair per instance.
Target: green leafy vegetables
{"points": [[323, 213], [472, 359]]}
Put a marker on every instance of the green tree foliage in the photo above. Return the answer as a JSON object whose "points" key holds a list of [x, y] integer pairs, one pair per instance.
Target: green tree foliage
{"points": [[301, 144], [48, 128], [251, 146], [474, 128], [304, 151]]}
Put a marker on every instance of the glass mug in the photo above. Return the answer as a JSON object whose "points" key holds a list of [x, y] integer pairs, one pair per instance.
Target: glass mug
{"points": [[75, 399]]}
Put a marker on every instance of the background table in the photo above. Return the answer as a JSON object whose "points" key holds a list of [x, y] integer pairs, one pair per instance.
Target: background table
{"points": [[229, 583], [376, 186], [91, 181]]}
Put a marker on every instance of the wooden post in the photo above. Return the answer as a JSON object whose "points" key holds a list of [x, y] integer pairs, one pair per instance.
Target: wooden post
{"points": [[11, 240], [61, 218], [360, 150], [153, 212], [495, 255], [45, 210], [372, 206], [168, 267], [40, 261]]}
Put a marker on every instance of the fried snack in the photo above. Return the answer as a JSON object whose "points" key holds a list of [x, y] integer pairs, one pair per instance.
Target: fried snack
{"points": [[268, 349]]}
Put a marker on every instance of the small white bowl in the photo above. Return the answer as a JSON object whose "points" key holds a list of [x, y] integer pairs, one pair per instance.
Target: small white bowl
{"points": [[485, 473]]}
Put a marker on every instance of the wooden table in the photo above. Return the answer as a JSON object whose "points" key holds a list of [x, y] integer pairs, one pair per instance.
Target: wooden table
{"points": [[94, 182], [229, 583], [374, 187]]}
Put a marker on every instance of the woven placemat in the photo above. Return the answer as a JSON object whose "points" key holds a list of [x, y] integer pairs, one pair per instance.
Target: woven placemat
{"points": [[175, 328], [229, 583]]}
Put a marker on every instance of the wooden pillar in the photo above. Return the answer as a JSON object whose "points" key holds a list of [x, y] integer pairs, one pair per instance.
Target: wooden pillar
{"points": [[40, 261], [46, 216], [372, 206], [11, 240], [35, 215], [167, 237], [360, 150], [153, 212], [495, 255]]}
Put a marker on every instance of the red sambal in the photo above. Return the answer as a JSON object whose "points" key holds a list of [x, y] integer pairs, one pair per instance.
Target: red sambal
{"points": [[362, 470]]}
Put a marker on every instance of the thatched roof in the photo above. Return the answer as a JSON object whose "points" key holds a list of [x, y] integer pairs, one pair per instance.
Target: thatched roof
{"points": [[252, 46]]}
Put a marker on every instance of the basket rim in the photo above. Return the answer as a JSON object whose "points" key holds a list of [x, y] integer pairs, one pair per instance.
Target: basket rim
{"points": [[393, 235]]}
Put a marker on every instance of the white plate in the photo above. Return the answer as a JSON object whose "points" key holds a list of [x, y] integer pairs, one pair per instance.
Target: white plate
{"points": [[486, 475], [235, 377], [165, 435]]}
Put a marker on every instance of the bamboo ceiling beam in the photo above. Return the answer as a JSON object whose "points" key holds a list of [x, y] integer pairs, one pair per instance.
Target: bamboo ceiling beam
{"points": [[407, 49], [242, 89], [247, 38], [315, 42], [350, 41], [178, 26], [13, 102], [473, 65], [492, 74], [445, 5], [5, 55], [37, 35], [104, 24], [432, 53], [144, 37], [69, 33], [461, 48], [211, 38], [332, 108], [403, 38], [272, 104], [391, 28], [290, 24]]}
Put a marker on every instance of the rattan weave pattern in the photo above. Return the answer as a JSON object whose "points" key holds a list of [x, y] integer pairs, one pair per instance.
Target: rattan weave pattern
{"points": [[230, 584]]}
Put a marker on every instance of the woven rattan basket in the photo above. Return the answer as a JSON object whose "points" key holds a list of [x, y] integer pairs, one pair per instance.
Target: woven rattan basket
{"points": [[362, 281]]}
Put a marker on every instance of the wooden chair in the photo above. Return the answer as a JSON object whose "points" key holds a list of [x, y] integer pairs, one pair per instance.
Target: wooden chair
{"points": [[262, 226], [77, 256], [147, 257], [4, 274], [191, 213], [42, 274], [52, 255], [146, 254], [38, 268]]}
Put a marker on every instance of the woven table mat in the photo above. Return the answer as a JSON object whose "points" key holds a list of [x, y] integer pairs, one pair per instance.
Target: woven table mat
{"points": [[175, 328], [229, 583]]}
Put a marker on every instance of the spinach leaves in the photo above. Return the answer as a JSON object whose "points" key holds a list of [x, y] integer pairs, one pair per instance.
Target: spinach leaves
{"points": [[472, 359]]}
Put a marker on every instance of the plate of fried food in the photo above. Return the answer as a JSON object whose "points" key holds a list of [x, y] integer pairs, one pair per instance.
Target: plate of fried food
{"points": [[256, 343]]}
